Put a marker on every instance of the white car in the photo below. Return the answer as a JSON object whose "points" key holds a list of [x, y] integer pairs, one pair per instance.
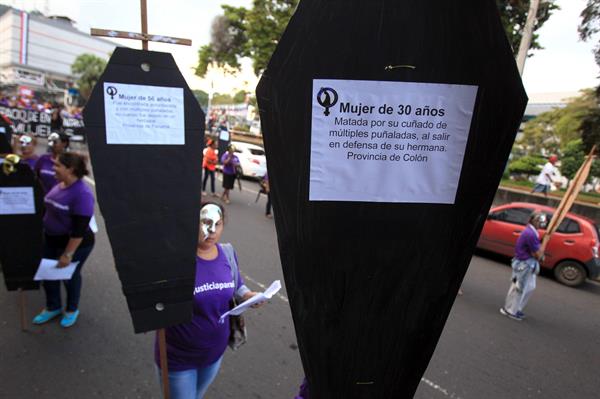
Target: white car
{"points": [[252, 159]]}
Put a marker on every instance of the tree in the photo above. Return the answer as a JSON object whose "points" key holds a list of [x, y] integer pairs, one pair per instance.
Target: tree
{"points": [[87, 68], [552, 130], [527, 165], [221, 99], [590, 24], [240, 97], [255, 32], [513, 14], [202, 98], [572, 159]]}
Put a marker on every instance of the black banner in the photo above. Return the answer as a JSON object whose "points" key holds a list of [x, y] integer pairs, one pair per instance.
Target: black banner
{"points": [[28, 120]]}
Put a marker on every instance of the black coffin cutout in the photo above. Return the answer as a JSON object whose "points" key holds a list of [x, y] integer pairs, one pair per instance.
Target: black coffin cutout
{"points": [[371, 284], [149, 195], [21, 235]]}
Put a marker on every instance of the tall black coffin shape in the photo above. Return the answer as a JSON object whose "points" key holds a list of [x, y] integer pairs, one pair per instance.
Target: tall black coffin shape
{"points": [[149, 194], [21, 236], [371, 284]]}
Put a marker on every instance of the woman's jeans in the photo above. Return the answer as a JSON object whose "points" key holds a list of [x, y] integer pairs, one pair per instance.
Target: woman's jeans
{"points": [[208, 173], [192, 384], [73, 286]]}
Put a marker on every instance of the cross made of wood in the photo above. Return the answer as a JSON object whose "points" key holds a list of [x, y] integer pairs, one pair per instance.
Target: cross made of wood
{"points": [[144, 36]]}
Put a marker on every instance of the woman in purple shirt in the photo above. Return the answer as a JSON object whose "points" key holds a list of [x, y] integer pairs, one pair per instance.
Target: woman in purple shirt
{"points": [[27, 145], [195, 349], [230, 161], [44, 167], [68, 237]]}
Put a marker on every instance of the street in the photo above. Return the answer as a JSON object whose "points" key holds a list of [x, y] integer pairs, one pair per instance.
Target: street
{"points": [[553, 353]]}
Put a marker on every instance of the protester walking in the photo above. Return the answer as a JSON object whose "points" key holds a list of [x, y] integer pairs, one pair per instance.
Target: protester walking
{"points": [[195, 349], [230, 163], [266, 187], [525, 266], [544, 179], [27, 145], [209, 164], [68, 237], [58, 143]]}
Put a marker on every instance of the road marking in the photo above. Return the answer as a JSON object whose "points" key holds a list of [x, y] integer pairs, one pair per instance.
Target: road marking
{"points": [[439, 388], [264, 287]]}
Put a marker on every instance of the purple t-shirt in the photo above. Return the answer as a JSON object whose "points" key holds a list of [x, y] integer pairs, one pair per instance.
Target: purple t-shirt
{"points": [[229, 169], [62, 203], [44, 167], [527, 243], [31, 162], [202, 341]]}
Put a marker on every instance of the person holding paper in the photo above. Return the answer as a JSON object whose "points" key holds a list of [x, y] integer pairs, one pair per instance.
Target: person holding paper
{"points": [[195, 349], [44, 167], [27, 145], [68, 238], [229, 161]]}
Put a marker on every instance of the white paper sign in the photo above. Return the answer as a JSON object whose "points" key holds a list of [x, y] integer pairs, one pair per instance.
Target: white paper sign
{"points": [[48, 270], [137, 114], [260, 297], [377, 141], [17, 201]]}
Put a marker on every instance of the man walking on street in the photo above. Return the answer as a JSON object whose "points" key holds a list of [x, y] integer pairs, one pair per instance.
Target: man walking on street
{"points": [[525, 266], [544, 179]]}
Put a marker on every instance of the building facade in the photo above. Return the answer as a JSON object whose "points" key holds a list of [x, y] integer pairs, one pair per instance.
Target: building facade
{"points": [[37, 51]]}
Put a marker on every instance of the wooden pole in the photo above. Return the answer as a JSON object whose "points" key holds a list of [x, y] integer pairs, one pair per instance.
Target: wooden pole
{"points": [[569, 198], [144, 8], [164, 365], [22, 306]]}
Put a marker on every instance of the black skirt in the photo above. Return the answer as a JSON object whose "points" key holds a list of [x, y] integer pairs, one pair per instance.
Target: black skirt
{"points": [[228, 181]]}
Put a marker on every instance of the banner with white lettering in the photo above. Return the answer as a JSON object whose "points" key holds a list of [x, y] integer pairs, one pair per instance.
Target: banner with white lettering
{"points": [[28, 121], [400, 142]]}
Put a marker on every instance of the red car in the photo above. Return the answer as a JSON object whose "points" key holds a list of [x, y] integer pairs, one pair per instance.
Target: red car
{"points": [[572, 253]]}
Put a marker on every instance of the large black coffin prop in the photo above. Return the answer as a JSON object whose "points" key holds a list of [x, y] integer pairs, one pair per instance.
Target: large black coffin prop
{"points": [[149, 195], [371, 284], [21, 235]]}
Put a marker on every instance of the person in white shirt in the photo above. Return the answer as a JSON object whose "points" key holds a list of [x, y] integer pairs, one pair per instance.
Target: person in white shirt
{"points": [[544, 179]]}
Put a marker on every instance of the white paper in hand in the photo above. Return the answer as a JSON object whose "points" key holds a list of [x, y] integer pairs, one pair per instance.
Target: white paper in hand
{"points": [[49, 271], [260, 297]]}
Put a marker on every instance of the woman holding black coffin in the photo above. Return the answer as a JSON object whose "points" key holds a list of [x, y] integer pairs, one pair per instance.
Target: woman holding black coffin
{"points": [[68, 238], [195, 349]]}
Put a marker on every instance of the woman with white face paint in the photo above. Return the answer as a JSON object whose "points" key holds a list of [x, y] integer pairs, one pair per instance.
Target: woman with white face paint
{"points": [[27, 145], [195, 349]]}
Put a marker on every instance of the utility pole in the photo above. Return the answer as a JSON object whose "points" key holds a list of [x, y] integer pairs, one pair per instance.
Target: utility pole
{"points": [[527, 34]]}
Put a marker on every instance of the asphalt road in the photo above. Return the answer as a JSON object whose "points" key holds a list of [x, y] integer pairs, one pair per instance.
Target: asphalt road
{"points": [[554, 353]]}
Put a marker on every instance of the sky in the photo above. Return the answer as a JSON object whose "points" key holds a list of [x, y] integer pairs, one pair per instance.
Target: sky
{"points": [[565, 65]]}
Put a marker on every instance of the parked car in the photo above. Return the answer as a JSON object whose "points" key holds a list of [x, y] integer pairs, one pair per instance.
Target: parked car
{"points": [[572, 252], [252, 159]]}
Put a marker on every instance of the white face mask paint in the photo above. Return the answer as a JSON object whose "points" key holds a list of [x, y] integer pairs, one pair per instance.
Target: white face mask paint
{"points": [[54, 137], [210, 215]]}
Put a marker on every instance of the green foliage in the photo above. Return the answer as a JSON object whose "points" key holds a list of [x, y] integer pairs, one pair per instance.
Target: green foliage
{"points": [[573, 156], [88, 68], [202, 98], [552, 130], [590, 24], [240, 97], [255, 32], [528, 165], [513, 14], [221, 99]]}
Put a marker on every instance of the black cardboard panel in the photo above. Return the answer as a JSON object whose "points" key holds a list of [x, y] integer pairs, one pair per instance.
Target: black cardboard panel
{"points": [[149, 196], [21, 236], [371, 284]]}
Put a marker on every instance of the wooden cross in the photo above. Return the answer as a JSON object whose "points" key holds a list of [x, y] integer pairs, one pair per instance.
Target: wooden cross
{"points": [[144, 36]]}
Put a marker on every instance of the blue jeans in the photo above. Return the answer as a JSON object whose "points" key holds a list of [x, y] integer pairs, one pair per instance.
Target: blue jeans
{"points": [[207, 174], [73, 286], [191, 384]]}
